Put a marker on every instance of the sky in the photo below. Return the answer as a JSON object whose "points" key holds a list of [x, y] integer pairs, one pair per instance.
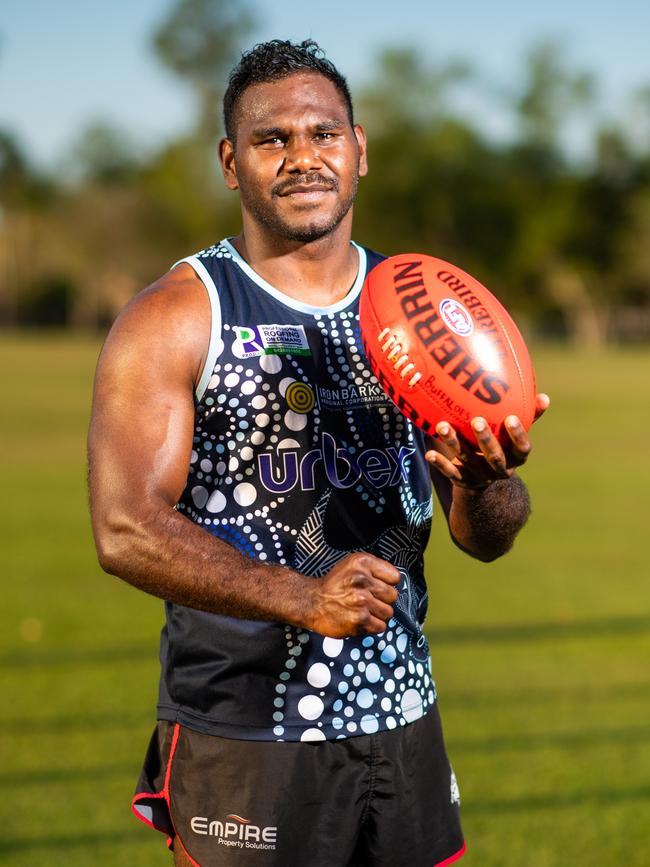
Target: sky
{"points": [[67, 64]]}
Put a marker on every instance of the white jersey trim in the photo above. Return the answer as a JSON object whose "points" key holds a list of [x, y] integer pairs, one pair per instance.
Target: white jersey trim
{"points": [[293, 302], [215, 326]]}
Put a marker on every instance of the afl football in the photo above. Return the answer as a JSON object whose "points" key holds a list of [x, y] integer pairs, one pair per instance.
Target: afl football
{"points": [[443, 347]]}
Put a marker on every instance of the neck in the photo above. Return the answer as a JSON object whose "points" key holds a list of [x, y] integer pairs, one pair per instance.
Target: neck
{"points": [[319, 273]]}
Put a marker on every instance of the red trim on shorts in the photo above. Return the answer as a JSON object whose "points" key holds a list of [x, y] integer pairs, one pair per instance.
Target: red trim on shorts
{"points": [[452, 858], [142, 796], [165, 796], [186, 853], [145, 796], [172, 750]]}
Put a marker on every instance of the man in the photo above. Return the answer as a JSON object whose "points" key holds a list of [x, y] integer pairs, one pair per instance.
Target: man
{"points": [[246, 468]]}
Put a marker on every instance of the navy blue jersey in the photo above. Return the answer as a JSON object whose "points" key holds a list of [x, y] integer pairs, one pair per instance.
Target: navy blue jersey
{"points": [[299, 458]]}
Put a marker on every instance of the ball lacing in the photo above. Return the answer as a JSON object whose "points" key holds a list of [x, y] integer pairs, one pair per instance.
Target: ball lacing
{"points": [[391, 347]]}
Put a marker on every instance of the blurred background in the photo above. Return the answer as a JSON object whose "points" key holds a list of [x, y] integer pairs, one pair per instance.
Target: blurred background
{"points": [[511, 140]]}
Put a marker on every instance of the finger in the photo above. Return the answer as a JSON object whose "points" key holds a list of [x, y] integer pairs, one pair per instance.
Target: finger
{"points": [[448, 437], [542, 403], [384, 592], [444, 465], [384, 570], [489, 446], [380, 610], [375, 625], [521, 445]]}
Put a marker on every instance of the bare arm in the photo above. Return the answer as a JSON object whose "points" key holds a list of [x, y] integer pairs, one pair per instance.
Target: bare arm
{"points": [[139, 448], [486, 521], [485, 502]]}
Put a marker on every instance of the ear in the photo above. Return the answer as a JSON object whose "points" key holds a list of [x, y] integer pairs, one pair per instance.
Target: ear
{"points": [[360, 135], [227, 160]]}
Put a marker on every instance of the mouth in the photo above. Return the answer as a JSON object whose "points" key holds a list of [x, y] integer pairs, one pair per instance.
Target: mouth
{"points": [[307, 192], [306, 186]]}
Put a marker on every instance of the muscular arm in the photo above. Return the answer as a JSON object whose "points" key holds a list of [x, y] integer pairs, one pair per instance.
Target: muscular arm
{"points": [[139, 447]]}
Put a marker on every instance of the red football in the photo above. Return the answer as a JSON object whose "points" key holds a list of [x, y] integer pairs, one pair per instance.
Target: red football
{"points": [[443, 347]]}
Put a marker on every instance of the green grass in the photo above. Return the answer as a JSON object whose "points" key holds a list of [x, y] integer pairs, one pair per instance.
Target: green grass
{"points": [[541, 659]]}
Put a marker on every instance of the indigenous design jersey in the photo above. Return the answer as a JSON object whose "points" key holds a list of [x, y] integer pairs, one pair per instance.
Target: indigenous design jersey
{"points": [[299, 458]]}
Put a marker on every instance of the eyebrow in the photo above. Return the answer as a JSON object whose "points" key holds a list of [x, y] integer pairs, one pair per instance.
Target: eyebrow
{"points": [[322, 126], [333, 123], [268, 132]]}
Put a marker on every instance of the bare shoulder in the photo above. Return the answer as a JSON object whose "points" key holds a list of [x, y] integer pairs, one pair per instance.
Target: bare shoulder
{"points": [[169, 321], [177, 302]]}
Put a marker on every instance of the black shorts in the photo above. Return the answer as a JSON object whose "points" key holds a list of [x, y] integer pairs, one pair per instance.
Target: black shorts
{"points": [[381, 800]]}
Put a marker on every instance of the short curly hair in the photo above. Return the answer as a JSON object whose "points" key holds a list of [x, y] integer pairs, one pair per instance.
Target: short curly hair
{"points": [[271, 61]]}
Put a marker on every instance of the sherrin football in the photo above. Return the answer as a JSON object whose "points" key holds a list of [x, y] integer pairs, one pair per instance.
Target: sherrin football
{"points": [[443, 347]]}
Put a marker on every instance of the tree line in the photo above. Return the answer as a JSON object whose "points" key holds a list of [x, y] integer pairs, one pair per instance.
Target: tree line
{"points": [[564, 241]]}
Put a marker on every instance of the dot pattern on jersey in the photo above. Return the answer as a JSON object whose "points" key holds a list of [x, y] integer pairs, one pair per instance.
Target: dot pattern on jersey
{"points": [[332, 687]]}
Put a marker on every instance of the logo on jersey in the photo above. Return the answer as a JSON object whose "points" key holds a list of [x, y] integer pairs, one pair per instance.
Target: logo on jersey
{"points": [[282, 471], [235, 832], [252, 341], [300, 398], [353, 396]]}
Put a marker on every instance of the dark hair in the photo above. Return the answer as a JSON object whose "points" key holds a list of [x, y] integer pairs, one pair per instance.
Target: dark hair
{"points": [[271, 61]]}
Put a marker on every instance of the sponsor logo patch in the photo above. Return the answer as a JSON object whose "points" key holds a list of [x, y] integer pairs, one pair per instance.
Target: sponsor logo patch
{"points": [[254, 340], [352, 397], [284, 469], [235, 832], [300, 398]]}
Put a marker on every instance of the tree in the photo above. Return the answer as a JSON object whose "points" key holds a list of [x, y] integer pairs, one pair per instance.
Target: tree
{"points": [[14, 170], [199, 41], [409, 90], [554, 222], [435, 184], [104, 155], [550, 94]]}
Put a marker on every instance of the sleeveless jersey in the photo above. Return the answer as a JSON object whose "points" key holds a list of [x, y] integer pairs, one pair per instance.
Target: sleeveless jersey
{"points": [[299, 458]]}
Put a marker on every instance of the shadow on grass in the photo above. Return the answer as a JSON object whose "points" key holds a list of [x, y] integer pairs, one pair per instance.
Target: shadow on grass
{"points": [[605, 797], [37, 776], [451, 700], [58, 842], [554, 740], [606, 627], [523, 742], [50, 657], [556, 695], [79, 723], [146, 651]]}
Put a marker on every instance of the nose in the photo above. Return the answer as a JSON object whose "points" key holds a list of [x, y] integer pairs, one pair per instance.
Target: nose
{"points": [[302, 155]]}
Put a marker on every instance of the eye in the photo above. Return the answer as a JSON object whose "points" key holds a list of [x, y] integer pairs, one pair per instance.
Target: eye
{"points": [[274, 141], [325, 136]]}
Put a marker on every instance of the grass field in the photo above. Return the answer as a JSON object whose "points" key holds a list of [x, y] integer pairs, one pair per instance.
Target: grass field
{"points": [[542, 659]]}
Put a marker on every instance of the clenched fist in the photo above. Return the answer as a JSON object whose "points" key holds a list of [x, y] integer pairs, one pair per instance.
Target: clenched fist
{"points": [[355, 597]]}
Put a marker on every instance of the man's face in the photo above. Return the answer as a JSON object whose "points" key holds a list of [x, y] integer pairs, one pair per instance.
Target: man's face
{"points": [[297, 159]]}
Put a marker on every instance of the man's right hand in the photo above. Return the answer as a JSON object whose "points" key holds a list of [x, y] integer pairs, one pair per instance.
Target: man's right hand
{"points": [[355, 597]]}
